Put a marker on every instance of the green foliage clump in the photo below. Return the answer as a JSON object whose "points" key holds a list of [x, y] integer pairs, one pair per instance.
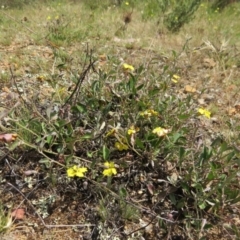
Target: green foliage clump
{"points": [[221, 4], [181, 13], [5, 219], [174, 14], [15, 3]]}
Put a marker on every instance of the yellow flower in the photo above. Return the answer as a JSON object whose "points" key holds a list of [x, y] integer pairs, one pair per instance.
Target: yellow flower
{"points": [[161, 132], [175, 78], [111, 132], [111, 170], [121, 146], [132, 130], [148, 113], [49, 18], [128, 67], [41, 78], [127, 3], [76, 171], [204, 112]]}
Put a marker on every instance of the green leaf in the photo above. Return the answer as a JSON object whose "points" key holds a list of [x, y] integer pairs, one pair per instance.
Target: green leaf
{"points": [[44, 127], [96, 86], [211, 176], [153, 92], [61, 65], [183, 116], [140, 87], [89, 154], [202, 205], [86, 136], [176, 136], [49, 139], [14, 145], [205, 155], [106, 153], [173, 199], [230, 155], [139, 143], [174, 53], [132, 84], [81, 108], [123, 192], [140, 69], [106, 109], [46, 162], [181, 153], [165, 68], [216, 142], [181, 204]]}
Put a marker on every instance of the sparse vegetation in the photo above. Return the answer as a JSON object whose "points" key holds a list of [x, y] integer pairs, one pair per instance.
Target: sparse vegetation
{"points": [[120, 129], [5, 220]]}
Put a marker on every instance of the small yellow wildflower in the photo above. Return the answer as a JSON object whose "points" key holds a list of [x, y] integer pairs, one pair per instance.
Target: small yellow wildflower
{"points": [[41, 78], [148, 113], [175, 78], [49, 18], [128, 67], [111, 170], [76, 171], [121, 146], [111, 132], [127, 3], [204, 112], [161, 132], [132, 130]]}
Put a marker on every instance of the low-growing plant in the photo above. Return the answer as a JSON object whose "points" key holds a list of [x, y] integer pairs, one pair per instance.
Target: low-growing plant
{"points": [[5, 219], [102, 121], [123, 138], [180, 15]]}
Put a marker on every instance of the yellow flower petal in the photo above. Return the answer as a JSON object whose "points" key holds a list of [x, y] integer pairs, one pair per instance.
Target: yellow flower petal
{"points": [[111, 170], [161, 132], [204, 112], [111, 132], [121, 146], [132, 130], [148, 113], [128, 67], [76, 171], [175, 78], [70, 172], [109, 164], [80, 172]]}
